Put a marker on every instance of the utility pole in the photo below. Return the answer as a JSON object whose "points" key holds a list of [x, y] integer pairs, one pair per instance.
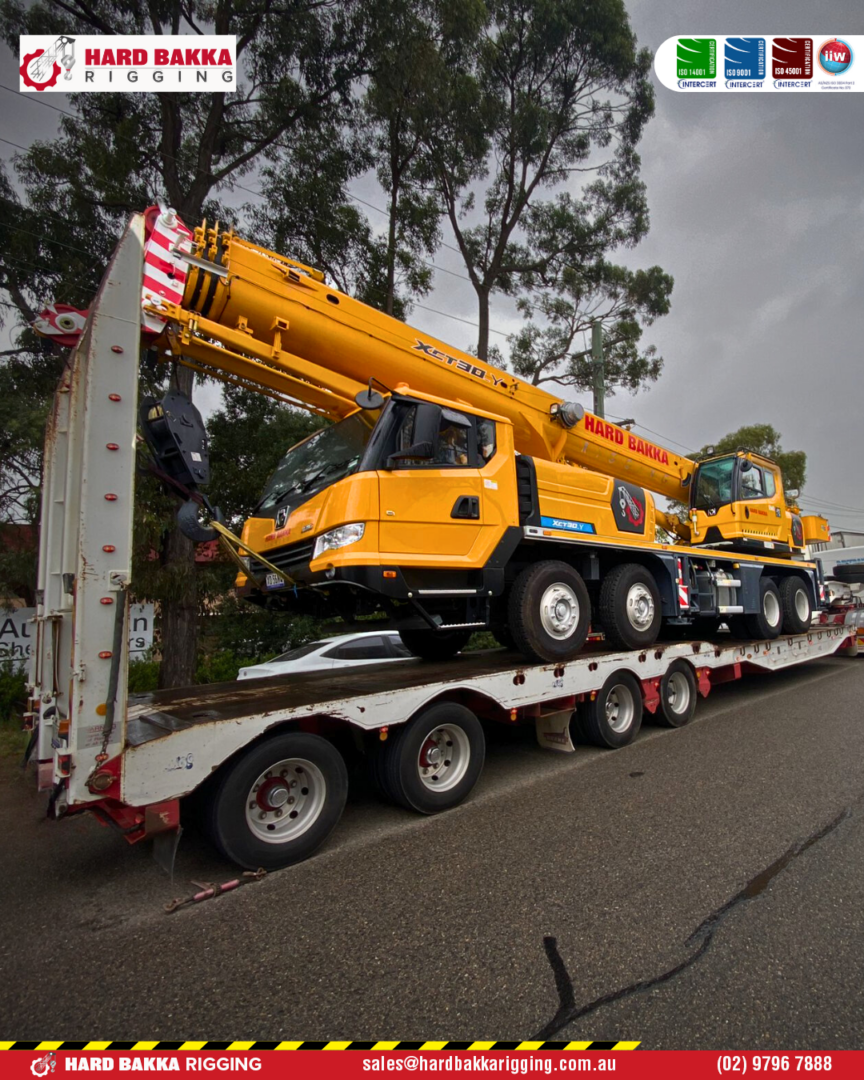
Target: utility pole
{"points": [[598, 368]]}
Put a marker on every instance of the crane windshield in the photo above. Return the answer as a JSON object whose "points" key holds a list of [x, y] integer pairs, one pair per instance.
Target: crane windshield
{"points": [[714, 483], [322, 459]]}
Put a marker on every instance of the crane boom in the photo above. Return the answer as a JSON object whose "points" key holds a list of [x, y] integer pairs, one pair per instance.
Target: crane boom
{"points": [[328, 345]]}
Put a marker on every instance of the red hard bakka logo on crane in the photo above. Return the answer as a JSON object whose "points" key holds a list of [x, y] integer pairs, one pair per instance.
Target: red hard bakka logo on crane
{"points": [[130, 63]]}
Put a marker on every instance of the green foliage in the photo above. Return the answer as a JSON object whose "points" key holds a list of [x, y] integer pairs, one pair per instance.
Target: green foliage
{"points": [[248, 437], [13, 692], [625, 301], [560, 93], [143, 676], [764, 439]]}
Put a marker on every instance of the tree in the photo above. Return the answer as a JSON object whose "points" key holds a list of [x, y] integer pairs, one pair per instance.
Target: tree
{"points": [[623, 300], [249, 435], [120, 152], [558, 91], [412, 69], [764, 439]]}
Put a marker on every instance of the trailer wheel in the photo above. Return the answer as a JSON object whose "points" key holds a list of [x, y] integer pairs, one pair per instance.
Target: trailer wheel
{"points": [[435, 644], [550, 612], [795, 601], [431, 763], [768, 622], [614, 717], [630, 607], [677, 695], [278, 802]]}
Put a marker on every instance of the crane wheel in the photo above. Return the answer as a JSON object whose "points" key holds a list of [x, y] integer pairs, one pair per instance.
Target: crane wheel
{"points": [[767, 623], [431, 763], [677, 696], [550, 612], [795, 602], [435, 644], [630, 607], [278, 802], [614, 717]]}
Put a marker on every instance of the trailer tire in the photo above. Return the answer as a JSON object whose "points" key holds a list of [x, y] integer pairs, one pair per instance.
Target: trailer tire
{"points": [[677, 696], [849, 574], [435, 644], [767, 623], [795, 602], [248, 817], [550, 611], [630, 607], [614, 717], [412, 768]]}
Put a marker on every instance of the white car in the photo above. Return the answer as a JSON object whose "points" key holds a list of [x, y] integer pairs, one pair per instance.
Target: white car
{"points": [[347, 650]]}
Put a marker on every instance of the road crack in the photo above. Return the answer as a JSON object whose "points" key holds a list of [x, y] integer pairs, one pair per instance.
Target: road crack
{"points": [[700, 941]]}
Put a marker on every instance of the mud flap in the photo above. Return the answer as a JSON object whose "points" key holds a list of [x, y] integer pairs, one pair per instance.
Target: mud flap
{"points": [[553, 731]]}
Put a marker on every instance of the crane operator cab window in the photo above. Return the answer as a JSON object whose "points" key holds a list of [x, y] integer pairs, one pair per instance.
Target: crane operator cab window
{"points": [[714, 484], [428, 436]]}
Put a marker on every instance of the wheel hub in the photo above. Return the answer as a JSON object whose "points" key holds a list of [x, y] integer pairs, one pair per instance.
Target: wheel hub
{"points": [[273, 793], [559, 611], [285, 800], [444, 757], [640, 606]]}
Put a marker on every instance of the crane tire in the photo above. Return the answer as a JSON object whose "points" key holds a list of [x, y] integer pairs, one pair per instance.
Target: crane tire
{"points": [[796, 605], [435, 644], [550, 611], [630, 608], [767, 623]]}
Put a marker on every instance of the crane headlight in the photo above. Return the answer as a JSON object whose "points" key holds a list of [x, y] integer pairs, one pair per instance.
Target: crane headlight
{"points": [[339, 538]]}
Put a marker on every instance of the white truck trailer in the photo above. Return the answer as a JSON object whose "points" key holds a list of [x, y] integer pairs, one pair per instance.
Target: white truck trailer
{"points": [[267, 757]]}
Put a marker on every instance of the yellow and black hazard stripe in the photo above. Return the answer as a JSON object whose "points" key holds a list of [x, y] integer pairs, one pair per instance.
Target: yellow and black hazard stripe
{"points": [[306, 1045]]}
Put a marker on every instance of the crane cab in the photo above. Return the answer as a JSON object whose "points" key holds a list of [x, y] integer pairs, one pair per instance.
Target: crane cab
{"points": [[737, 501]]}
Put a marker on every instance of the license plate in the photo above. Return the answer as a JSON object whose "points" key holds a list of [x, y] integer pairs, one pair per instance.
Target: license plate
{"points": [[274, 581]]}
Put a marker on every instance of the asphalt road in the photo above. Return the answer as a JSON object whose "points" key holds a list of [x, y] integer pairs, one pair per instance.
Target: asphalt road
{"points": [[701, 888]]}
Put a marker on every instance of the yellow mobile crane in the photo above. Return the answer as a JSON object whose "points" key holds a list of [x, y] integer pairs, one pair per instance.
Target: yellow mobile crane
{"points": [[450, 493]]}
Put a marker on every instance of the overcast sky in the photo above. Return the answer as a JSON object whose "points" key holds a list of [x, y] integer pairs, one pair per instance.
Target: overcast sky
{"points": [[757, 209]]}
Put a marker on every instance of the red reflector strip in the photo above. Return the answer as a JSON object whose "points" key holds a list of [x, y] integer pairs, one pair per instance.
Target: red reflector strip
{"points": [[105, 655]]}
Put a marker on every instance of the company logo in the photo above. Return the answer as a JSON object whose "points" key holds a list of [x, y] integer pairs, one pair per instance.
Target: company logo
{"points": [[697, 58], [44, 1065], [614, 434], [792, 58], [835, 56], [632, 509], [744, 58], [282, 516], [127, 62], [41, 68]]}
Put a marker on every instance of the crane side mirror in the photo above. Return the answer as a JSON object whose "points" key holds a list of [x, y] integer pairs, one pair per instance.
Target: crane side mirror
{"points": [[424, 435], [792, 493], [369, 399]]}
